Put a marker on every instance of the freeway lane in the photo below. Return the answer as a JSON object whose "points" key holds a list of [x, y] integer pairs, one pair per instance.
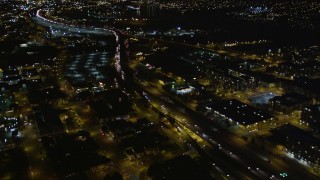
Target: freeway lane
{"points": [[252, 157], [222, 162]]}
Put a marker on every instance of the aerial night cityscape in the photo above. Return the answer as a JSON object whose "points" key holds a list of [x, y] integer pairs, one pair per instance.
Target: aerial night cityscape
{"points": [[159, 89]]}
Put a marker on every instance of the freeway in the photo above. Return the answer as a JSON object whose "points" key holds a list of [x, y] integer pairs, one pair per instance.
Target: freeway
{"points": [[41, 20], [71, 28], [220, 158], [233, 156], [248, 155]]}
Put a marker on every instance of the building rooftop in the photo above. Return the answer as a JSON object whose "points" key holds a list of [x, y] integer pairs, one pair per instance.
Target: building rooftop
{"points": [[290, 99], [291, 133], [263, 98], [239, 112]]}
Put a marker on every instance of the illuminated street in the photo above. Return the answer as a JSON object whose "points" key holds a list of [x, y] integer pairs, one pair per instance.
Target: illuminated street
{"points": [[160, 89]]}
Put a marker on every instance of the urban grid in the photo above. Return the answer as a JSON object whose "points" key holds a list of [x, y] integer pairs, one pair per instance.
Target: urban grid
{"points": [[159, 89]]}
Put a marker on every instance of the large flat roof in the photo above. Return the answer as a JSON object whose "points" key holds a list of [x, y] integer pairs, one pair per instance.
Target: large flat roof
{"points": [[239, 112], [292, 133], [290, 99]]}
